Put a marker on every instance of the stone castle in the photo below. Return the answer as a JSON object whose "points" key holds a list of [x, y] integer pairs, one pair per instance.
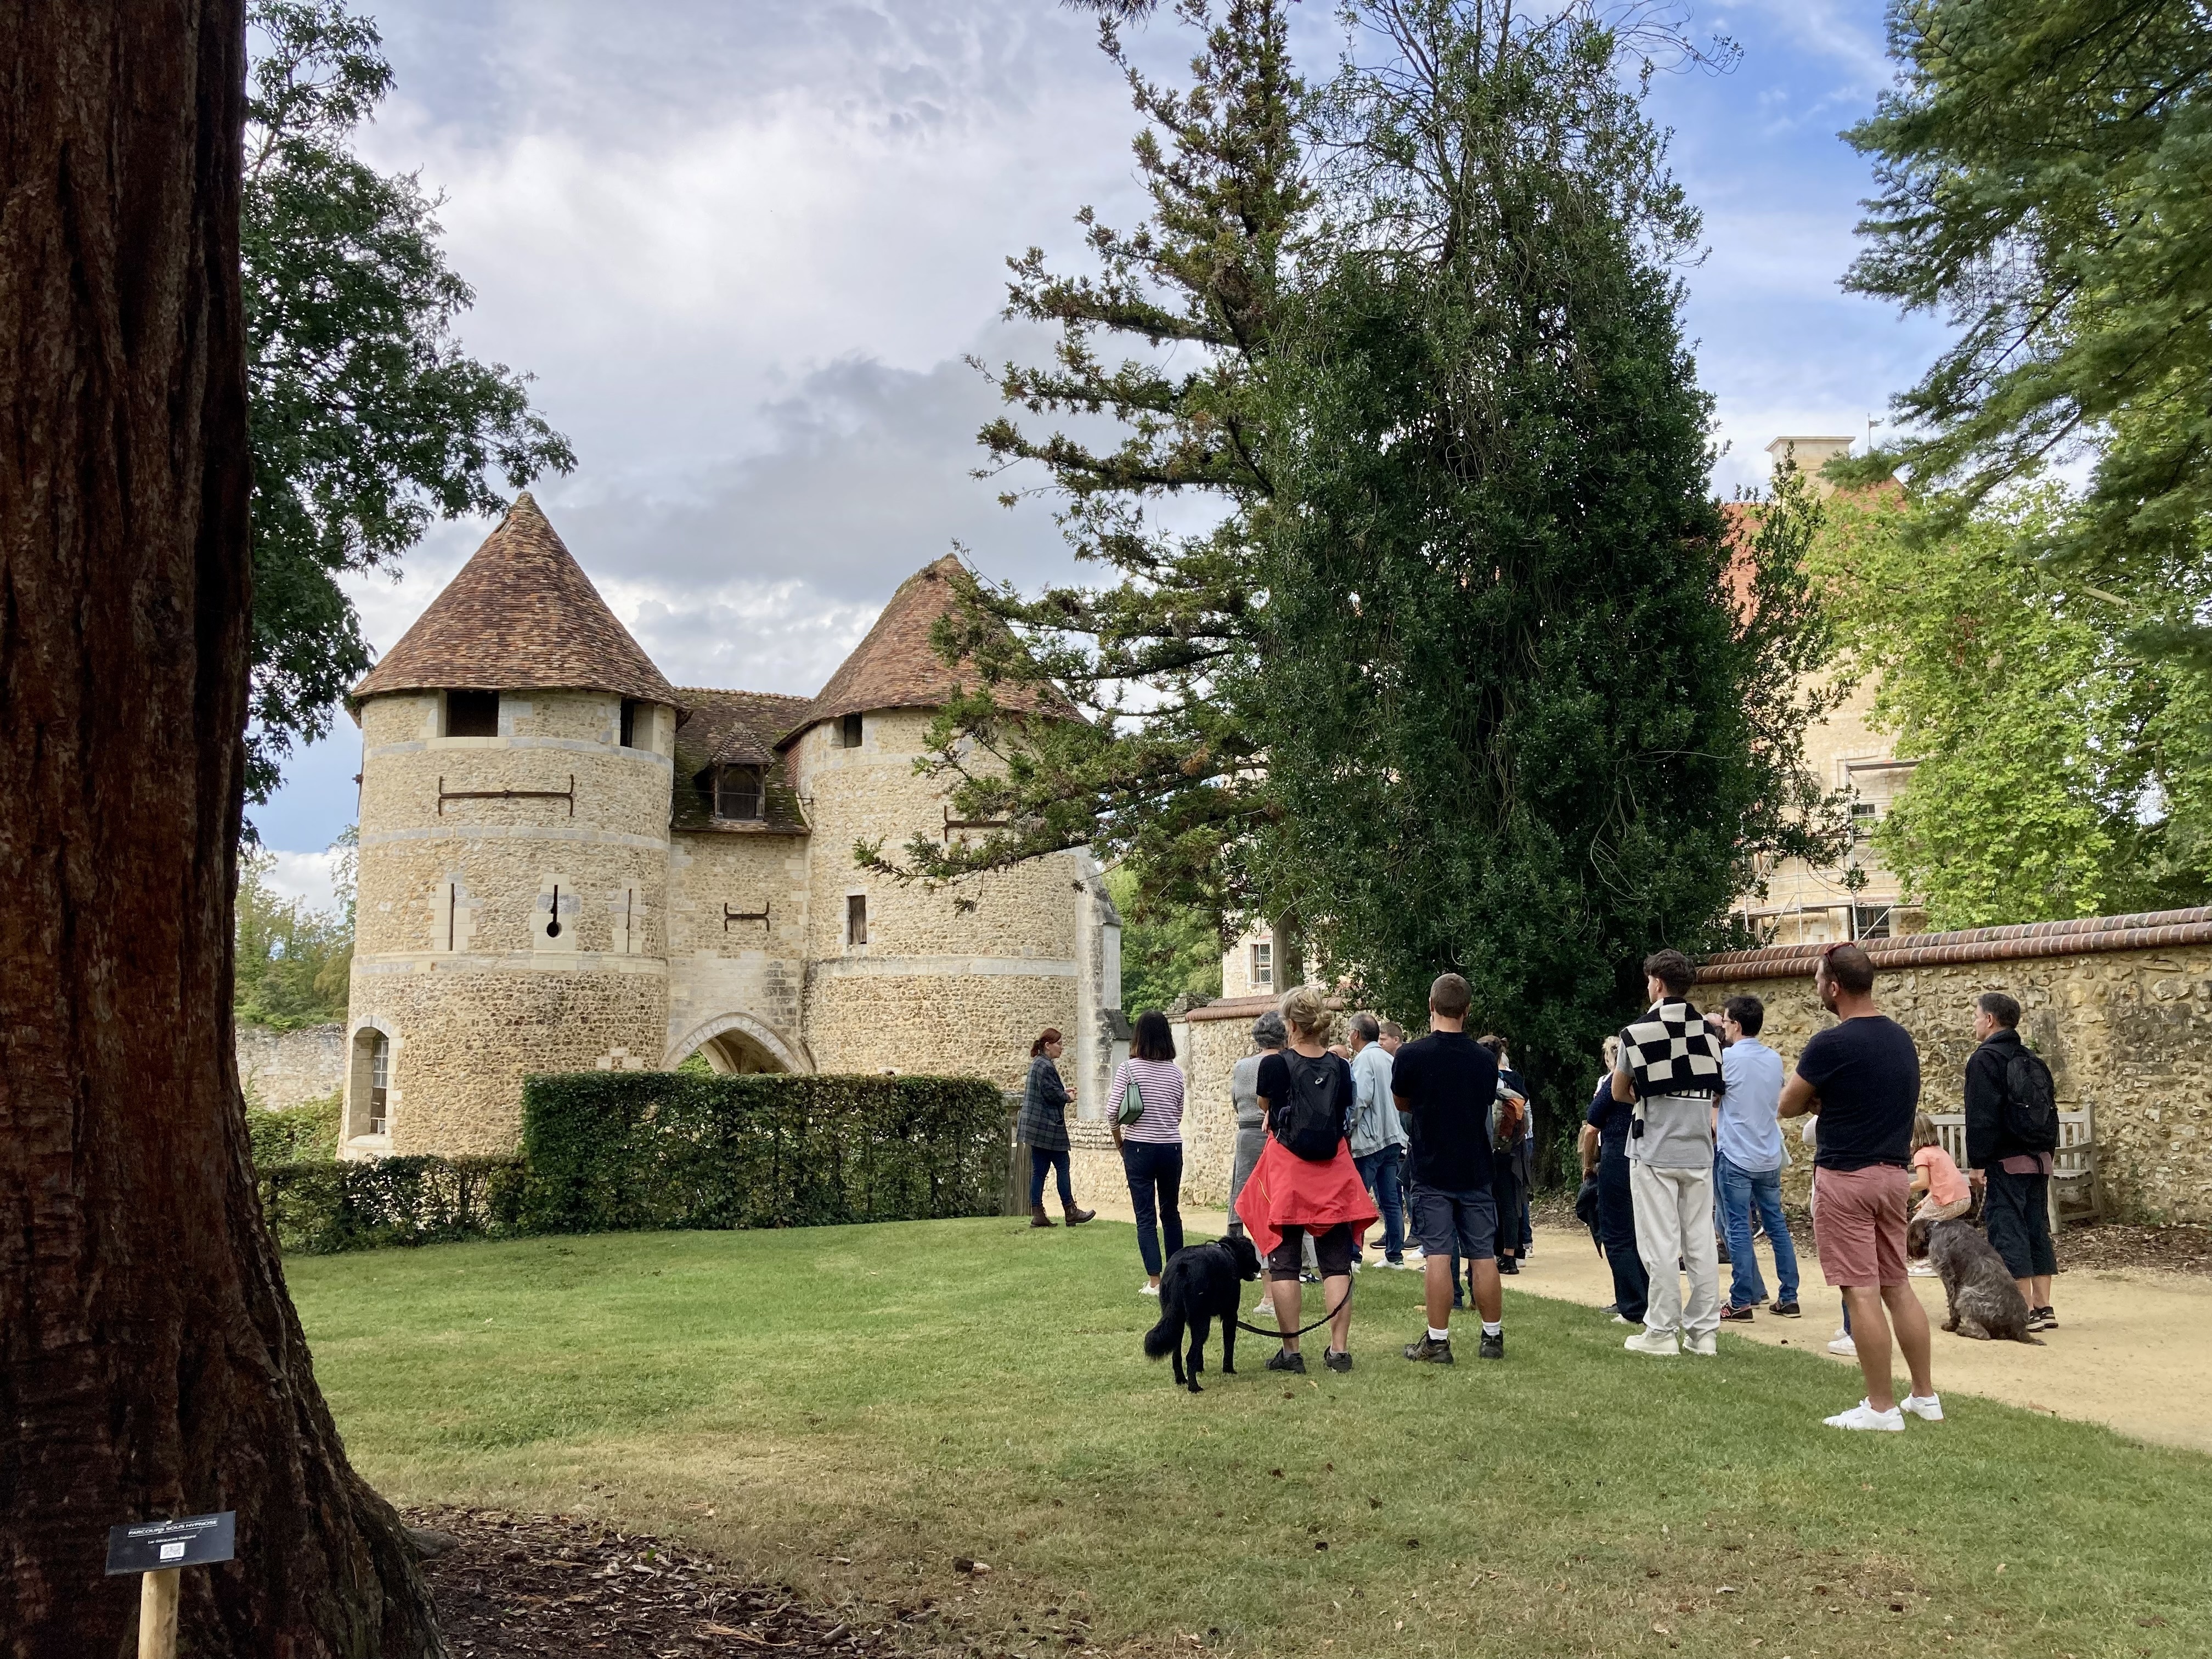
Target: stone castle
{"points": [[568, 863]]}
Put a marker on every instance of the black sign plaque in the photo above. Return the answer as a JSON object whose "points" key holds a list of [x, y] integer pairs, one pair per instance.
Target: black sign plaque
{"points": [[192, 1540]]}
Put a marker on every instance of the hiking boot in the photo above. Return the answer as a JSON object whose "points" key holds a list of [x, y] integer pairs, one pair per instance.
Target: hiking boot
{"points": [[1283, 1360], [1335, 1361], [1783, 1310], [1741, 1311], [1038, 1217], [1493, 1346], [1430, 1351], [1077, 1216]]}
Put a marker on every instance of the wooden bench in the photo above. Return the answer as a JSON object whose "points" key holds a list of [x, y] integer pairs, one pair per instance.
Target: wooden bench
{"points": [[2077, 1190]]}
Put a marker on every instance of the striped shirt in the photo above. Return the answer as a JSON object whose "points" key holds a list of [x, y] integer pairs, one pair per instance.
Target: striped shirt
{"points": [[1159, 1083]]}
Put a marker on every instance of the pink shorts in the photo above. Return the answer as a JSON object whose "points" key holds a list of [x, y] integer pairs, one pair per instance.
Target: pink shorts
{"points": [[1858, 1225]]}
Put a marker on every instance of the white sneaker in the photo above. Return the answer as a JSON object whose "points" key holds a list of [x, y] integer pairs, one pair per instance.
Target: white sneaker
{"points": [[1148, 1289], [1706, 1347], [1266, 1305], [1863, 1416], [1921, 1270], [1929, 1408], [1622, 1319], [1844, 1345], [1658, 1344]]}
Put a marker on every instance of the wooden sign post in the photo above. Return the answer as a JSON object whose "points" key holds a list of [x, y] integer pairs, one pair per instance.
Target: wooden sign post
{"points": [[159, 1551]]}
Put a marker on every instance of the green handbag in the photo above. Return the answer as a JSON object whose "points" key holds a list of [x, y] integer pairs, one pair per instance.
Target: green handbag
{"points": [[1133, 1103]]}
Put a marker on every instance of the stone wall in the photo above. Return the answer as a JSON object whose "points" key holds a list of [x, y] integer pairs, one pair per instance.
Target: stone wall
{"points": [[2120, 1006], [287, 1068]]}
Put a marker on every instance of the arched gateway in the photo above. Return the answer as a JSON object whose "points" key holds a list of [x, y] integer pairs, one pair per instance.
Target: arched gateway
{"points": [[737, 1043]]}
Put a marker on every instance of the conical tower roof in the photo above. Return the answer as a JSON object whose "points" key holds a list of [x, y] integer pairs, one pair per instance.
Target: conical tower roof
{"points": [[521, 615], [896, 667]]}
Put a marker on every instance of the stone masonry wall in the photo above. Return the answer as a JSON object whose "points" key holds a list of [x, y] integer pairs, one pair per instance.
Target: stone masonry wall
{"points": [[718, 970], [2126, 1032], [289, 1068]]}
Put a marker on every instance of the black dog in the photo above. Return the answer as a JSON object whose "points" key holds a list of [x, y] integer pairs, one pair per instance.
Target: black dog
{"points": [[1200, 1285]]}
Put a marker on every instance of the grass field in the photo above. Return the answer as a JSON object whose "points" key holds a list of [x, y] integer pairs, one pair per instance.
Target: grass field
{"points": [[852, 1408]]}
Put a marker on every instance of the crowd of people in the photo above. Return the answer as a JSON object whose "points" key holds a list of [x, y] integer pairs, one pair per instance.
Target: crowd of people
{"points": [[1682, 1147]]}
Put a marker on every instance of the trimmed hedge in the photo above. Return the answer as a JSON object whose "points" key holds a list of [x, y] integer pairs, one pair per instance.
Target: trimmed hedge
{"points": [[318, 1208], [619, 1151]]}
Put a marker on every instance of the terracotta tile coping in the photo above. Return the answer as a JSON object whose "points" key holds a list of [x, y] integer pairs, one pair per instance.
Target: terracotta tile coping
{"points": [[2148, 931]]}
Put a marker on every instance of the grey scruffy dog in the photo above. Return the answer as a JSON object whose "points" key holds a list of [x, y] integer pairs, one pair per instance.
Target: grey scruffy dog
{"points": [[1984, 1303]]}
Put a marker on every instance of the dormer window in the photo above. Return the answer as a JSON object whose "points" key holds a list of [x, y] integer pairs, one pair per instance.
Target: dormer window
{"points": [[738, 792], [850, 732], [471, 714]]}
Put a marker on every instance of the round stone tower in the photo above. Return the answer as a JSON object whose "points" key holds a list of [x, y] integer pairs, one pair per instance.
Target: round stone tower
{"points": [[517, 753]]}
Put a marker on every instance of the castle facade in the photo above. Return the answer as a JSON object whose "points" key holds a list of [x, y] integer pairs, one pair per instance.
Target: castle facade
{"points": [[568, 863]]}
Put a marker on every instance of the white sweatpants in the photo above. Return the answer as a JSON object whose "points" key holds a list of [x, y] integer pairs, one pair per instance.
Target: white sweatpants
{"points": [[1674, 1218]]}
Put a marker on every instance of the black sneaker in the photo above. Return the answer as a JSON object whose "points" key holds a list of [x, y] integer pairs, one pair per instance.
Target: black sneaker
{"points": [[1783, 1310], [1283, 1360], [1335, 1361], [2042, 1319], [1429, 1350], [1506, 1264], [1739, 1311], [1493, 1347]]}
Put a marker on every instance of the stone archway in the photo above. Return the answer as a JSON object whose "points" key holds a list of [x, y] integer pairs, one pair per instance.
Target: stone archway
{"points": [[739, 1043]]}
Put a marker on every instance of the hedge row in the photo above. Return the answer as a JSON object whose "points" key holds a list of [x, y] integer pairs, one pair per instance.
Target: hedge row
{"points": [[609, 1151], [613, 1151], [320, 1207]]}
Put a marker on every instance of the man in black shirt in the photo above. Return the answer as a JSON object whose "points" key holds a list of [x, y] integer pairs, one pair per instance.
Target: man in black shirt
{"points": [[1862, 1076], [1444, 1086], [2016, 1194]]}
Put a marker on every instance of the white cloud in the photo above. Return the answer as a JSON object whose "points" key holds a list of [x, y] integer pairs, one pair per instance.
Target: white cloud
{"points": [[307, 876]]}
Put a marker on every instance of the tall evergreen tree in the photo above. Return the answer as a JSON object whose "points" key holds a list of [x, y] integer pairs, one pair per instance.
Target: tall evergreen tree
{"points": [[2043, 181], [1162, 653], [1531, 708]]}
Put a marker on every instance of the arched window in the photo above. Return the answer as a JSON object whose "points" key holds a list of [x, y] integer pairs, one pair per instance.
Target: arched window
{"points": [[369, 1105]]}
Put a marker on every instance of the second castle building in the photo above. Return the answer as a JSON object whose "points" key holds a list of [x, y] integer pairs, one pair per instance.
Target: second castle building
{"points": [[568, 863]]}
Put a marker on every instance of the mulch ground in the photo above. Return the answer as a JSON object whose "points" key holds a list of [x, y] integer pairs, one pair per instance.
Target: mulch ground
{"points": [[533, 1584]]}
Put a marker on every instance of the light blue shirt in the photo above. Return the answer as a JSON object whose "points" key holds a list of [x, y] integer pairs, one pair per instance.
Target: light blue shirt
{"points": [[1749, 1136], [1375, 1121]]}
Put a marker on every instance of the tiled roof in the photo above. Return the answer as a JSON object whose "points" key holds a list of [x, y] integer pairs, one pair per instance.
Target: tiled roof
{"points": [[521, 615], [2148, 930], [896, 667], [734, 728]]}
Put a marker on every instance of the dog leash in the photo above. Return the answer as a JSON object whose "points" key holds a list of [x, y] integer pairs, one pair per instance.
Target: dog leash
{"points": [[1258, 1330]]}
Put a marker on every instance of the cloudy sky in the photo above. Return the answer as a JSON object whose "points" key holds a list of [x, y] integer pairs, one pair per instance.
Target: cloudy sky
{"points": [[745, 247]]}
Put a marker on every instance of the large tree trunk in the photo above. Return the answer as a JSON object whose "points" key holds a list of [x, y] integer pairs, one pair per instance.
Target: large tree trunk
{"points": [[150, 1361]]}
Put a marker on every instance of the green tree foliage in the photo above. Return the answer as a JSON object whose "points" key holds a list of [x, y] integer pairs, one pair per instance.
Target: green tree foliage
{"points": [[1163, 341], [2043, 182], [306, 1134], [1167, 950], [2062, 772], [294, 963], [1532, 710], [367, 419]]}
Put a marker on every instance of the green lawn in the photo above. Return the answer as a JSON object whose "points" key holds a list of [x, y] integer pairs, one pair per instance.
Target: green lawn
{"points": [[853, 1407]]}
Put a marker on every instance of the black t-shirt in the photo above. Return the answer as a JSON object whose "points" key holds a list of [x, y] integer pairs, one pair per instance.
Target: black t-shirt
{"points": [[1447, 1081], [1611, 1118], [1867, 1074], [1273, 1086]]}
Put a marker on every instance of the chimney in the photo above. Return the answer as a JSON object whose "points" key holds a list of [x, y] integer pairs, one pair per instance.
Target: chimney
{"points": [[1810, 454]]}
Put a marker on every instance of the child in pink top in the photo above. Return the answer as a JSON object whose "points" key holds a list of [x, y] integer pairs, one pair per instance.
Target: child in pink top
{"points": [[1937, 1180]]}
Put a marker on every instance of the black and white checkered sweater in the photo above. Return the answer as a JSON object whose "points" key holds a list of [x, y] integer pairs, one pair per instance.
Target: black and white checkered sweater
{"points": [[1671, 1051]]}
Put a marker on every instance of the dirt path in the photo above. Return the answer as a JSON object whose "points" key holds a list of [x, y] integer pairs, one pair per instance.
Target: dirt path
{"points": [[2132, 1350]]}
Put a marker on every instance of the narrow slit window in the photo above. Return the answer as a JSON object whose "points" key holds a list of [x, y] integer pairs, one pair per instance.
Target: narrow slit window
{"points": [[471, 714], [738, 792], [852, 730], [380, 1082], [629, 722], [856, 919]]}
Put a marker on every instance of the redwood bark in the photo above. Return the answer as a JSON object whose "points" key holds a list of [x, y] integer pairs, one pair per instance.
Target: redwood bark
{"points": [[150, 1360]]}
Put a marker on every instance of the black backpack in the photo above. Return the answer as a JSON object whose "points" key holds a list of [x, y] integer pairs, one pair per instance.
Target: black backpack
{"points": [[2031, 1102], [1311, 1124]]}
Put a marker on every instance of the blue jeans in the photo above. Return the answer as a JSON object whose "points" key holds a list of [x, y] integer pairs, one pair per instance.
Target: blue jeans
{"points": [[1616, 1209], [1040, 1161], [1383, 1174], [1741, 1190], [1155, 1171]]}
